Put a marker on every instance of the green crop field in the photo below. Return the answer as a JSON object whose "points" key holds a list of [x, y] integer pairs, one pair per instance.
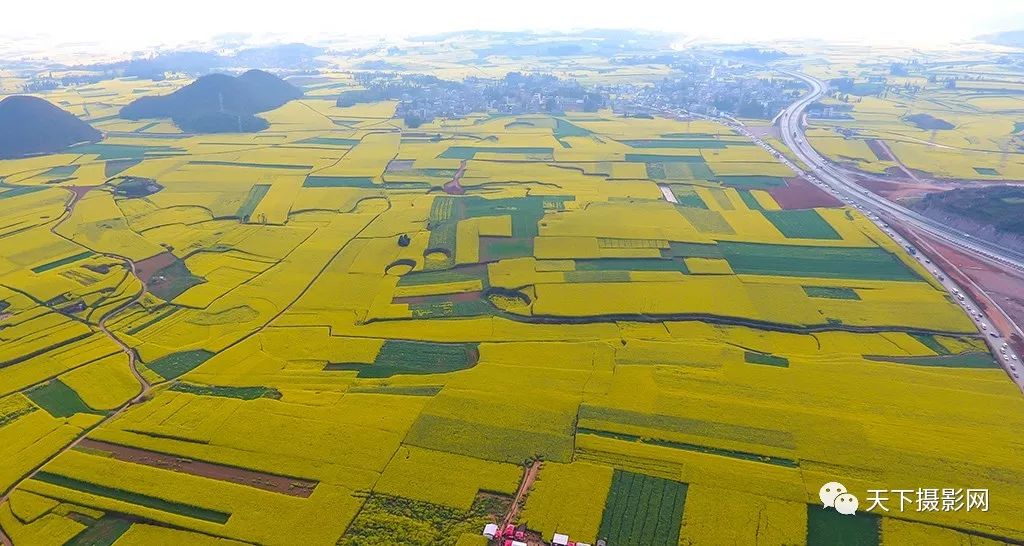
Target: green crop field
{"points": [[802, 224], [827, 263], [411, 357], [642, 510], [832, 292], [58, 399], [256, 194], [177, 364]]}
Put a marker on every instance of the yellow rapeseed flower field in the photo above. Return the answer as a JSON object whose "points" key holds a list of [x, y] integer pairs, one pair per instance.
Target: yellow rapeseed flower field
{"points": [[348, 323]]}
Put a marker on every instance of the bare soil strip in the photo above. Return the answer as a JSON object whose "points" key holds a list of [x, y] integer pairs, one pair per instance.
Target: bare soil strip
{"points": [[899, 191], [452, 187], [295, 487]]}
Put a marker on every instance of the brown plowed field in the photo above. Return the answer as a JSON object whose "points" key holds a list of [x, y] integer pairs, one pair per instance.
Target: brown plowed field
{"points": [[295, 487], [148, 267], [801, 194]]}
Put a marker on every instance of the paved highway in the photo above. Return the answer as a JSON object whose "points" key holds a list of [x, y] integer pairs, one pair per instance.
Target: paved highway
{"points": [[840, 184], [875, 207], [793, 137]]}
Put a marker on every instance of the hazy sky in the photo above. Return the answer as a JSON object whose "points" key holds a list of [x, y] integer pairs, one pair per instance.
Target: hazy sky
{"points": [[132, 23]]}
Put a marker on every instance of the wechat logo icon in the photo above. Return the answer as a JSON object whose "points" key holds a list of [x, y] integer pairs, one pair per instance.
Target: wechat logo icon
{"points": [[835, 495]]}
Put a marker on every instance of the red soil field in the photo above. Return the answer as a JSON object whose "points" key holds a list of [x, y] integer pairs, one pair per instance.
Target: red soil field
{"points": [[998, 285], [897, 191], [452, 187], [801, 194], [148, 267]]}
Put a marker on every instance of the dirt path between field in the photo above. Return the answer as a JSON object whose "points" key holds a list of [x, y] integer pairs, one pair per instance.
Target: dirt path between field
{"points": [[296, 487], [899, 163], [77, 194], [145, 386], [529, 476]]}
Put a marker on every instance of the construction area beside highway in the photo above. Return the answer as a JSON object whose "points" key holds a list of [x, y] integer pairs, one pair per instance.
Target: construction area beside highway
{"points": [[987, 279]]}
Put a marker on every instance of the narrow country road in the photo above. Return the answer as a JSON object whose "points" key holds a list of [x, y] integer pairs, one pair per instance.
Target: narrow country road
{"points": [[144, 384], [132, 358], [529, 476]]}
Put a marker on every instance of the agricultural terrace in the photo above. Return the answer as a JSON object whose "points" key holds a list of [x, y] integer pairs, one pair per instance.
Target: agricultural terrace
{"points": [[356, 331]]}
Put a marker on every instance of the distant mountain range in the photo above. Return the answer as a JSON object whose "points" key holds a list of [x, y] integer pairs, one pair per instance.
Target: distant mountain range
{"points": [[31, 126], [1011, 38], [218, 103], [597, 42], [295, 56]]}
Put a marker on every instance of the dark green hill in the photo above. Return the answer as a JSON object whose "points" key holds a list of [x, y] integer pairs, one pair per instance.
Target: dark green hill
{"points": [[1001, 207], [31, 126], [218, 103]]}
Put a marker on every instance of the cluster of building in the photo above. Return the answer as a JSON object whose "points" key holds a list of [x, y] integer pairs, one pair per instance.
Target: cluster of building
{"points": [[703, 87], [511, 535], [710, 89], [424, 98], [50, 81]]}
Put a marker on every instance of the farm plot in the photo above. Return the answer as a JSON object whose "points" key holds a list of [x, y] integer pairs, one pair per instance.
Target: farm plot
{"points": [[475, 424], [547, 511], [803, 261], [345, 350], [383, 518], [413, 357], [642, 510]]}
